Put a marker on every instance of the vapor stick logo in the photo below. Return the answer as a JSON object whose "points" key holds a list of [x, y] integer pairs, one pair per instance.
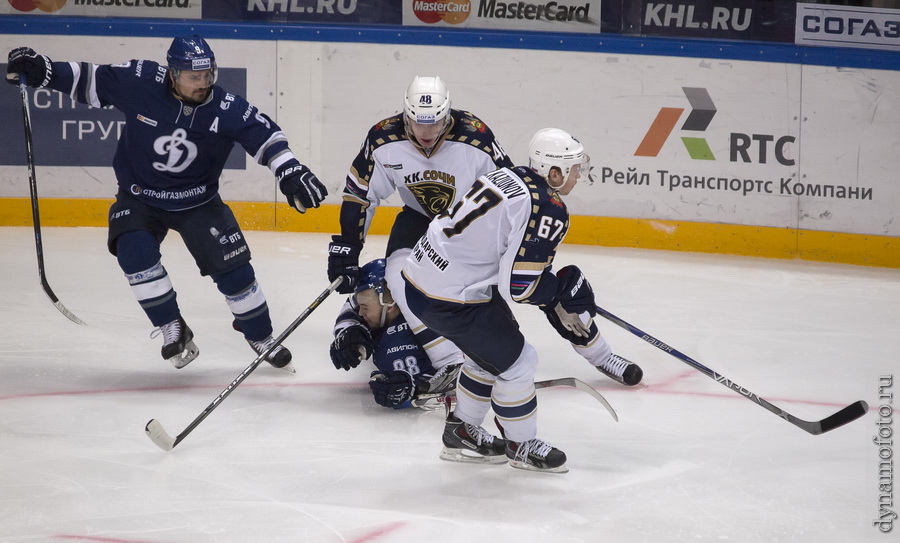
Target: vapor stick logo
{"points": [[702, 112]]}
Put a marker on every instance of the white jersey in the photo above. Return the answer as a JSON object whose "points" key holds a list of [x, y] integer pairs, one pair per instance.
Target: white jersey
{"points": [[389, 162], [504, 233]]}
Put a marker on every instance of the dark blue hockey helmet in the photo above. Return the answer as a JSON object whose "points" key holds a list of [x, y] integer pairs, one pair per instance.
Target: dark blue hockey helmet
{"points": [[191, 53], [371, 276]]}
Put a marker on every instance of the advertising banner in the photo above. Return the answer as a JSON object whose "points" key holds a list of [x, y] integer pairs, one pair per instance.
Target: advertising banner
{"points": [[305, 11], [67, 133], [537, 15], [170, 9], [719, 19], [847, 26]]}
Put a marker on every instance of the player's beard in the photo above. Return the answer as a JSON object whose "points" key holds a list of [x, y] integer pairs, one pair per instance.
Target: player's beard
{"points": [[196, 98]]}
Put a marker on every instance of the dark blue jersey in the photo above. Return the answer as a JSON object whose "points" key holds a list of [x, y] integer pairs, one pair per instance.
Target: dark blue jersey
{"points": [[170, 154], [396, 349]]}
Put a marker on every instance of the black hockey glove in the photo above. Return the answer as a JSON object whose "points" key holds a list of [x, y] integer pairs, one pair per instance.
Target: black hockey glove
{"points": [[574, 292], [343, 261], [351, 346], [37, 68], [391, 388], [302, 188]]}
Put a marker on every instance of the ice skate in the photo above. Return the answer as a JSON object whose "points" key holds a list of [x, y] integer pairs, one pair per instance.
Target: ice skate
{"points": [[178, 343], [279, 358], [536, 455], [464, 442], [624, 371]]}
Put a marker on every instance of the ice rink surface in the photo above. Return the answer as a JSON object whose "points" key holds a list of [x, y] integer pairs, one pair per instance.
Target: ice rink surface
{"points": [[311, 458]]}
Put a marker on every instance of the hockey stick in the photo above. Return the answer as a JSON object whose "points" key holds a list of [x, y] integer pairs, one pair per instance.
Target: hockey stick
{"points": [[35, 214], [842, 417], [421, 399], [164, 441]]}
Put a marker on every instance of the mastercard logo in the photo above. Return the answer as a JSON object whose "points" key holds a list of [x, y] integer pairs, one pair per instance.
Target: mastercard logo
{"points": [[450, 11], [47, 6]]}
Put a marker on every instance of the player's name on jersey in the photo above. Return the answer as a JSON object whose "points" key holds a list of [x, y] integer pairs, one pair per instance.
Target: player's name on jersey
{"points": [[510, 186], [424, 249]]}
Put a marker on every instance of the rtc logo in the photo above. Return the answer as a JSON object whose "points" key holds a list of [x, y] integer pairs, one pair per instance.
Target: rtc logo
{"points": [[48, 6], [450, 11]]}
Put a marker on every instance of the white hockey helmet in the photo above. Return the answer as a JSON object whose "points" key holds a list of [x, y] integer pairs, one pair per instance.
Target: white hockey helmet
{"points": [[551, 147], [427, 100]]}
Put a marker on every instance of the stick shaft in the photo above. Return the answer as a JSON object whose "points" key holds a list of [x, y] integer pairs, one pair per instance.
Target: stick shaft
{"points": [[35, 211], [155, 435], [847, 414]]}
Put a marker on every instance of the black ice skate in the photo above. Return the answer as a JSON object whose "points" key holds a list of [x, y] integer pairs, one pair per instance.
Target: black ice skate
{"points": [[536, 455], [464, 442], [626, 372], [178, 343], [280, 357]]}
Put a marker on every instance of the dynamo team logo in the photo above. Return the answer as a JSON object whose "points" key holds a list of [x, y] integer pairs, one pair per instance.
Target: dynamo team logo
{"points": [[180, 152]]}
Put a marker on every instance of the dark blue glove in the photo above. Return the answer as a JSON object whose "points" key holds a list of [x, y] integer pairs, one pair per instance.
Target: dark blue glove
{"points": [[392, 388], [574, 293], [343, 261], [302, 188], [24, 60], [351, 346]]}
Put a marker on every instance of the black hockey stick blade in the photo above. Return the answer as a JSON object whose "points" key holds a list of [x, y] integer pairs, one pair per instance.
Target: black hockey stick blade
{"points": [[35, 212], [842, 417], [582, 386], [164, 441]]}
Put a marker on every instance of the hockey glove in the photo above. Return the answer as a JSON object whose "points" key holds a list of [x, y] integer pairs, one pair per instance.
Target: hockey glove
{"points": [[37, 68], [302, 188], [574, 292], [577, 329], [343, 261], [351, 346], [392, 388]]}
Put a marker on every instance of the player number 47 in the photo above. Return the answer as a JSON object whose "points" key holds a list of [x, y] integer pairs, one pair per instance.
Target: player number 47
{"points": [[478, 193]]}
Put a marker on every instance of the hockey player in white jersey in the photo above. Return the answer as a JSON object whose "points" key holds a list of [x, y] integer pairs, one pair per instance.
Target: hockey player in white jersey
{"points": [[430, 154], [179, 129], [498, 244]]}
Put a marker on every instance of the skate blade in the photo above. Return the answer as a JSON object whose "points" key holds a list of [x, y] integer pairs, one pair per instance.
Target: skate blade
{"points": [[470, 457], [525, 466], [190, 353]]}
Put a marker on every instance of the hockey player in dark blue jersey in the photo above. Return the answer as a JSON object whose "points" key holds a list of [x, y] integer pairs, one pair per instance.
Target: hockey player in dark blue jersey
{"points": [[179, 130], [371, 324]]}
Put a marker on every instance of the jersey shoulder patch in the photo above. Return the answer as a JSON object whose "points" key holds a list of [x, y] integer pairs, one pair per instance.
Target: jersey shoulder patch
{"points": [[542, 195], [469, 129], [387, 131]]}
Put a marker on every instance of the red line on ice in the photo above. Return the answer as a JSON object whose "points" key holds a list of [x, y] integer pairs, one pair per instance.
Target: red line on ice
{"points": [[378, 533]]}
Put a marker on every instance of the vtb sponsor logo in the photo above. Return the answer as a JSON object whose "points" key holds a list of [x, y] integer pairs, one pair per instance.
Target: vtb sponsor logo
{"points": [[742, 147]]}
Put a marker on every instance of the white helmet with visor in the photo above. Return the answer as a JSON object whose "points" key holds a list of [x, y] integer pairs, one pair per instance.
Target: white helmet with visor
{"points": [[551, 147]]}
